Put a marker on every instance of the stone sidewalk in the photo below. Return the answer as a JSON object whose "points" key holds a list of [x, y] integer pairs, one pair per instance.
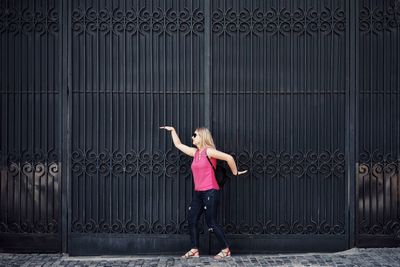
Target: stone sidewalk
{"points": [[354, 257]]}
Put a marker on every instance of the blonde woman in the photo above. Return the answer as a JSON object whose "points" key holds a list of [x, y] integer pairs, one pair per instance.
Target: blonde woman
{"points": [[206, 189]]}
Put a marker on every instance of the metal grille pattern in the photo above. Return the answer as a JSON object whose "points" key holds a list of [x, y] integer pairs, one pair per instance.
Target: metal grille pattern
{"points": [[30, 141], [283, 21], [136, 66], [278, 86], [379, 116], [274, 80]]}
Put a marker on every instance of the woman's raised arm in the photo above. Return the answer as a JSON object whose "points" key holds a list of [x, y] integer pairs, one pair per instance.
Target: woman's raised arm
{"points": [[190, 151]]}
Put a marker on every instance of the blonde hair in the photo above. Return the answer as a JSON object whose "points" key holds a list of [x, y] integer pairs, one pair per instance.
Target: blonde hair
{"points": [[206, 139]]}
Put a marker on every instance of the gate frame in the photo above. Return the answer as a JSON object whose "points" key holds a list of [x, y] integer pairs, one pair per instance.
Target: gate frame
{"points": [[352, 99], [351, 131], [65, 107]]}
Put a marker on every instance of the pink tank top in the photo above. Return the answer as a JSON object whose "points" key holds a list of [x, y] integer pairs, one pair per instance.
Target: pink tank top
{"points": [[203, 173]]}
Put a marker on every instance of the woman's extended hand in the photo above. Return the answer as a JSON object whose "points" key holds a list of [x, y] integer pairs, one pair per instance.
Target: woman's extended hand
{"points": [[241, 172], [168, 128]]}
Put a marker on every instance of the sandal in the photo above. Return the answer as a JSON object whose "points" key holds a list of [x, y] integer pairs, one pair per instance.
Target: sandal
{"points": [[193, 253], [225, 253]]}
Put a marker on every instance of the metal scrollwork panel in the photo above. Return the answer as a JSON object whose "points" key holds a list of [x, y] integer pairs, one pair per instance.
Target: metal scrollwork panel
{"points": [[30, 174], [30, 188], [281, 192], [132, 173], [40, 21], [136, 66], [378, 180], [278, 93], [379, 18], [138, 21], [378, 187], [140, 165], [279, 21]]}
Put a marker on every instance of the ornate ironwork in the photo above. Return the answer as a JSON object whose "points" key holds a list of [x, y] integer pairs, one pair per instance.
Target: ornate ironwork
{"points": [[294, 227], [140, 21], [28, 166], [281, 21], [379, 19], [22, 227], [141, 164], [298, 164], [378, 170], [106, 163], [133, 163], [26, 21], [131, 227]]}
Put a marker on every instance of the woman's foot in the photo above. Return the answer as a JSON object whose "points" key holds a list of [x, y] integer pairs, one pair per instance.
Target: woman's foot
{"points": [[223, 254], [193, 253]]}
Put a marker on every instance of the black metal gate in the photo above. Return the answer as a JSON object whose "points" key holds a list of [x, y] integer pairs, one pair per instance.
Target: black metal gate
{"points": [[269, 76], [135, 65], [30, 143], [378, 187], [281, 84]]}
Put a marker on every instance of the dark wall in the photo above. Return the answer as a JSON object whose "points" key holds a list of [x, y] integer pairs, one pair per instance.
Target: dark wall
{"points": [[135, 66], [303, 93], [379, 124], [30, 125], [278, 89]]}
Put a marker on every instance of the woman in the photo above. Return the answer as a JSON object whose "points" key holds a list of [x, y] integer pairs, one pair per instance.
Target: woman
{"points": [[206, 194]]}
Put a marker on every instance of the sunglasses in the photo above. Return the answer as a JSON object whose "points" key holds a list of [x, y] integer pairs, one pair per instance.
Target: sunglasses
{"points": [[194, 135]]}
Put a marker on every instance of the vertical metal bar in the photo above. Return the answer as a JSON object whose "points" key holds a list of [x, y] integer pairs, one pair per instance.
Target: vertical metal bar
{"points": [[83, 92], [47, 126], [264, 134], [304, 189], [191, 113], [111, 98], [90, 189], [331, 146], [207, 63], [177, 69], [164, 89], [319, 116], [20, 95], [124, 88], [20, 122], [137, 119], [250, 221], [224, 96], [351, 141], [39, 146], [33, 121], [383, 121], [291, 180], [117, 96], [398, 118], [207, 78], [105, 95], [151, 110], [65, 133], [271, 95], [370, 148], [237, 105], [98, 118], [278, 132], [3, 122], [9, 211], [130, 190]]}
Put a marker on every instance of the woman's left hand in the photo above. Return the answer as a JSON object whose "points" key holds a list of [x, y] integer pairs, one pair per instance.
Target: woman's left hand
{"points": [[241, 172]]}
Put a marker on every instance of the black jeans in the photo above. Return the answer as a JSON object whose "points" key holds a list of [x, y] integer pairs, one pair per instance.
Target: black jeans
{"points": [[205, 201]]}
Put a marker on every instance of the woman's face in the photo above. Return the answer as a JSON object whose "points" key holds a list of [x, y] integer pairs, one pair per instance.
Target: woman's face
{"points": [[195, 138]]}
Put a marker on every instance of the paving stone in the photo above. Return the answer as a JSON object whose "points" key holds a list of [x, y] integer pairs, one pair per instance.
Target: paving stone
{"points": [[354, 257]]}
